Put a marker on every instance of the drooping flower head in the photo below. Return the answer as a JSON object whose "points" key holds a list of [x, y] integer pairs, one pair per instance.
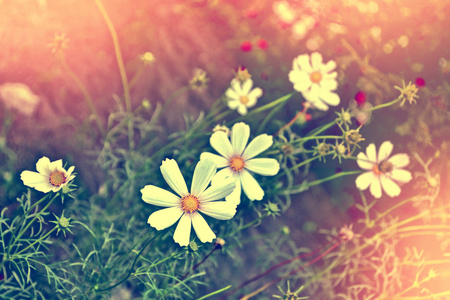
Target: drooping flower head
{"points": [[241, 96], [200, 80], [382, 171], [186, 206], [237, 160], [315, 80], [50, 176]]}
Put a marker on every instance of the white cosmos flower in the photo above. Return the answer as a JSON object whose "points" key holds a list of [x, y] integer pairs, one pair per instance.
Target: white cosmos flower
{"points": [[186, 206], [237, 159], [315, 80], [382, 171], [241, 96], [50, 176]]}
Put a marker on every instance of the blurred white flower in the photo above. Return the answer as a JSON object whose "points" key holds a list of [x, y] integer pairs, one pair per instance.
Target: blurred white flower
{"points": [[241, 95], [50, 176], [284, 11], [19, 97], [301, 27], [237, 159], [382, 171], [315, 80], [186, 206]]}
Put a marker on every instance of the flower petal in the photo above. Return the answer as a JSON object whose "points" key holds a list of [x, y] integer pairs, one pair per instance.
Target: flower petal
{"points": [[251, 187], [47, 187], [247, 86], [236, 86], [255, 94], [389, 186], [384, 151], [56, 165], [221, 210], [218, 190], [239, 137], [158, 196], [371, 152], [164, 218], [300, 80], [221, 175], [235, 196], [316, 61], [363, 162], [233, 104], [203, 173], [231, 94], [258, 145], [313, 94], [33, 179], [319, 104], [328, 84], [401, 175], [69, 172], [400, 160], [375, 187], [263, 166], [220, 161], [303, 63], [220, 142], [242, 110], [329, 98], [328, 67], [172, 175], [202, 229], [364, 180], [42, 166], [183, 231]]}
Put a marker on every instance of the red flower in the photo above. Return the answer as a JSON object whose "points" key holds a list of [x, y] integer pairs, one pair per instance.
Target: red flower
{"points": [[308, 117], [263, 44], [246, 46], [420, 82], [360, 98]]}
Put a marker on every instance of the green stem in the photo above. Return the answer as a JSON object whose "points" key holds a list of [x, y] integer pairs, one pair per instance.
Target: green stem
{"points": [[41, 239], [265, 107], [309, 160], [31, 222], [21, 220], [132, 248], [131, 269], [320, 181], [321, 129], [214, 293], [255, 221], [385, 104], [123, 74]]}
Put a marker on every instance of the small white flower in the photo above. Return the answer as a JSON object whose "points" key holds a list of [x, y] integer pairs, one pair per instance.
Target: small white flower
{"points": [[382, 171], [50, 176], [186, 206], [241, 96], [315, 80], [237, 159]]}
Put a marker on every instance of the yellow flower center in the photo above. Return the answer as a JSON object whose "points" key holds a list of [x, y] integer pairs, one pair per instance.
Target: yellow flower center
{"points": [[237, 163], [244, 99], [383, 168], [315, 77], [57, 178], [190, 203]]}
